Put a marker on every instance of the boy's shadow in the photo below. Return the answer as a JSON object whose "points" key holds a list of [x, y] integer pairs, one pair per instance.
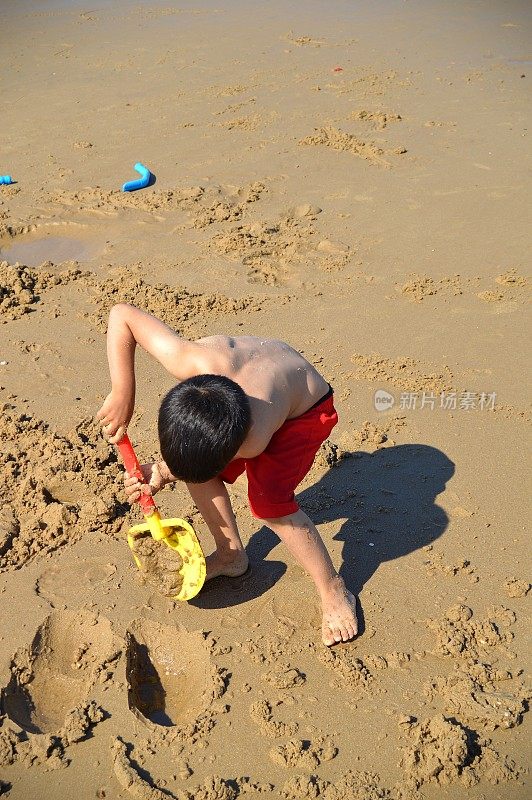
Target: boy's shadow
{"points": [[387, 499]]}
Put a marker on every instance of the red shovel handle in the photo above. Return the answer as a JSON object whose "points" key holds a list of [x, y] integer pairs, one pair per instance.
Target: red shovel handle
{"points": [[131, 463]]}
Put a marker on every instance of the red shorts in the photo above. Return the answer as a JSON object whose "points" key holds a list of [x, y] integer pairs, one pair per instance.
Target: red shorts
{"points": [[274, 474]]}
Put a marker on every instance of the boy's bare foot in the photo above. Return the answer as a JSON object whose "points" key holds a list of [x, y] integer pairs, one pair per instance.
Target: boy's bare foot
{"points": [[339, 614], [231, 565]]}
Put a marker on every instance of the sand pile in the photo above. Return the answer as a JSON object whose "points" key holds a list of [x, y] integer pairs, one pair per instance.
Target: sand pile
{"points": [[55, 488], [261, 714], [379, 119], [204, 205], [348, 143], [445, 749], [266, 249], [404, 373], [473, 693], [131, 779], [419, 287], [160, 564], [272, 250], [48, 751], [21, 287], [459, 635], [189, 313], [303, 754], [355, 785], [444, 752]]}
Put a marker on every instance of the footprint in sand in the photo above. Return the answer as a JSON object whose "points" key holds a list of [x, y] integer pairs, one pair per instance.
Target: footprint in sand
{"points": [[55, 674], [170, 676], [60, 583], [293, 601]]}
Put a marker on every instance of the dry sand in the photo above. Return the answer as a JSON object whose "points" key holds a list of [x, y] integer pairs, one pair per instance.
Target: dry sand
{"points": [[350, 177]]}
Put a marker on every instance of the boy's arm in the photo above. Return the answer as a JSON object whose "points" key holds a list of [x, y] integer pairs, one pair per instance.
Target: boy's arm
{"points": [[129, 326]]}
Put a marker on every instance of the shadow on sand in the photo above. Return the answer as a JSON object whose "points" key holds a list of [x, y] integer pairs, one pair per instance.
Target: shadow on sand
{"points": [[387, 501]]}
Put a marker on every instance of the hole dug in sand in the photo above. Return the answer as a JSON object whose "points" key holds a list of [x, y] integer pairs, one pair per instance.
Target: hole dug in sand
{"points": [[55, 673], [169, 673]]}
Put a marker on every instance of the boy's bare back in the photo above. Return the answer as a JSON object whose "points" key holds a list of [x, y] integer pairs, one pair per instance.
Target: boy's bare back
{"points": [[279, 382]]}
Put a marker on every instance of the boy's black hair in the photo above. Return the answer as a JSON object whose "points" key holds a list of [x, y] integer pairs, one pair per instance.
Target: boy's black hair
{"points": [[202, 423]]}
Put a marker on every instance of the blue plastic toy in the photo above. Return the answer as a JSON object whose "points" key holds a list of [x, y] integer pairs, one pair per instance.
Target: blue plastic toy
{"points": [[142, 182], [6, 179]]}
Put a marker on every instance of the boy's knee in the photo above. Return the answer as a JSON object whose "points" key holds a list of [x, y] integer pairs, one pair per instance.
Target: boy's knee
{"points": [[288, 521]]}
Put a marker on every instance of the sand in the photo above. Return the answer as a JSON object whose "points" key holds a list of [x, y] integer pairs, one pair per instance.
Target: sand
{"points": [[351, 179], [159, 564]]}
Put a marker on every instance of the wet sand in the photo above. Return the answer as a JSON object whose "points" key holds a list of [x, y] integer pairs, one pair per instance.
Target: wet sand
{"points": [[350, 178]]}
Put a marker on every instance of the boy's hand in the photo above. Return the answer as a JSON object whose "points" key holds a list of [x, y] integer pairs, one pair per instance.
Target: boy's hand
{"points": [[156, 476], [115, 415]]}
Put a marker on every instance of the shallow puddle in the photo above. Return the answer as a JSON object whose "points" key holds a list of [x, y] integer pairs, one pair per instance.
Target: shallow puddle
{"points": [[32, 251]]}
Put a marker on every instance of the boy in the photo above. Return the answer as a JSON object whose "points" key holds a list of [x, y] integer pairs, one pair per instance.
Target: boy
{"points": [[241, 403]]}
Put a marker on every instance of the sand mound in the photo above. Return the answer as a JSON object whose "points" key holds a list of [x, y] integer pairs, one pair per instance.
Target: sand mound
{"points": [[379, 119], [371, 436], [368, 83], [404, 373], [54, 488], [283, 679], [219, 205], [327, 456], [471, 693], [352, 785], [189, 313], [517, 588], [139, 785], [48, 750], [262, 715], [265, 248], [303, 754], [204, 205], [171, 680], [348, 143], [352, 672], [511, 287], [443, 752], [129, 777], [20, 287], [272, 250], [439, 753], [458, 635], [100, 200], [418, 287]]}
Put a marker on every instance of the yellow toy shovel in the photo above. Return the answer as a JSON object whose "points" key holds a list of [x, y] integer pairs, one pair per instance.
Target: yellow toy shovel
{"points": [[176, 533]]}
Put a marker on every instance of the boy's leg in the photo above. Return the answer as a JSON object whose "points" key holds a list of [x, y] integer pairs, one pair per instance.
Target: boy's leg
{"points": [[301, 537], [213, 503]]}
